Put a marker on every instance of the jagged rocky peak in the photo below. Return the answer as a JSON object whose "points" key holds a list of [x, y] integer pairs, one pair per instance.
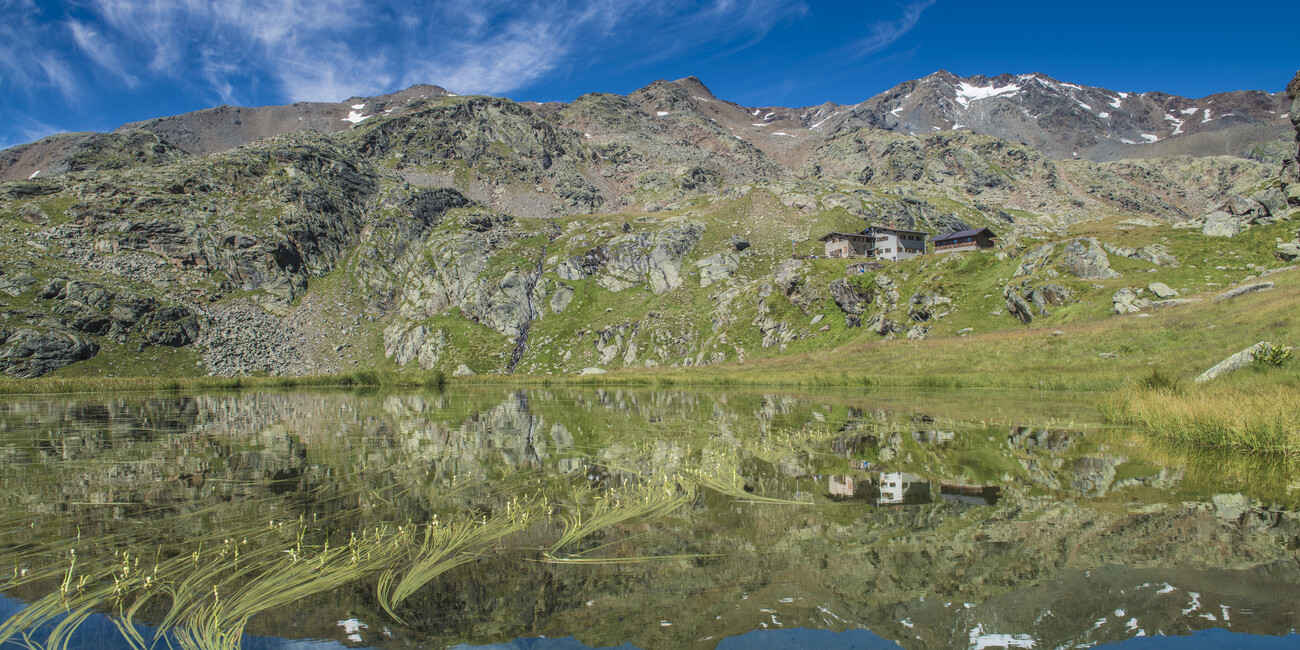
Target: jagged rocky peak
{"points": [[1064, 120]]}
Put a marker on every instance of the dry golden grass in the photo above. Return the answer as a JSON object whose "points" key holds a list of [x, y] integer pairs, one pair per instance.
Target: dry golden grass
{"points": [[1256, 415]]}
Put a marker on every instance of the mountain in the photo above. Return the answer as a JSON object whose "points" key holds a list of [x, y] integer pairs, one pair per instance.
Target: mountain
{"points": [[199, 133], [428, 230], [1063, 120]]}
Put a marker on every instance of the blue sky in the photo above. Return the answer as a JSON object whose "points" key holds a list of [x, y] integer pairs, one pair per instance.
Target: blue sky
{"points": [[69, 65]]}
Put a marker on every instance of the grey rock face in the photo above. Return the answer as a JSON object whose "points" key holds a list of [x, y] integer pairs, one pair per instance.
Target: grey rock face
{"points": [[1221, 224], [654, 259], [32, 352], [1086, 259], [1288, 251], [850, 299], [1157, 254], [16, 284], [561, 298], [1034, 260], [407, 345], [1016, 305], [462, 371], [1235, 362], [717, 267]]}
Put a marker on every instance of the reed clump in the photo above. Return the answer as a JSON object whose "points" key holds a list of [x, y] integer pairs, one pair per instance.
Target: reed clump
{"points": [[1250, 416]]}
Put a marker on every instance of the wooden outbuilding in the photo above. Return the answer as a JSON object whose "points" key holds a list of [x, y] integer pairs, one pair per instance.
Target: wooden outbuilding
{"points": [[965, 240]]}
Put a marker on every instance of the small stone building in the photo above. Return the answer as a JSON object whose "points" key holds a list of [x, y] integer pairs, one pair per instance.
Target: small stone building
{"points": [[843, 244]]}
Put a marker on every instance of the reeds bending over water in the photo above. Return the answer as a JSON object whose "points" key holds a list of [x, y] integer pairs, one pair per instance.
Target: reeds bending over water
{"points": [[201, 593]]}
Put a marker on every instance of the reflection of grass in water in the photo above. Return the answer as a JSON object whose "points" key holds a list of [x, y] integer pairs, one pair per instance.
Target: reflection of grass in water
{"points": [[442, 548], [1214, 471], [641, 501], [722, 474]]}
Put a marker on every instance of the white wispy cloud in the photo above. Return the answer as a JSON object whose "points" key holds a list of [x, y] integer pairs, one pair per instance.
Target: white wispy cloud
{"points": [[26, 63], [99, 51], [326, 50], [882, 34]]}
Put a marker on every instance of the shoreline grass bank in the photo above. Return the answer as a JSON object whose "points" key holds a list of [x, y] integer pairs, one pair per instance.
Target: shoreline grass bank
{"points": [[357, 379], [1258, 412]]}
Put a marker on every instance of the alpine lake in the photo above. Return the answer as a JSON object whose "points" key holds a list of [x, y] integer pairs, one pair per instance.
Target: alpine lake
{"points": [[557, 518]]}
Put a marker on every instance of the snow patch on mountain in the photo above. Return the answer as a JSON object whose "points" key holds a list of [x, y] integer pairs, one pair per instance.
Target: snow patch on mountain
{"points": [[967, 93]]}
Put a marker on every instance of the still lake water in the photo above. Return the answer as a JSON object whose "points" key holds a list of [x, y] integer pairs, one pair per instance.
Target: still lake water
{"points": [[561, 519]]}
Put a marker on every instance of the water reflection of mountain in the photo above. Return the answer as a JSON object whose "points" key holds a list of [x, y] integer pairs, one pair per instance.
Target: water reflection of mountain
{"points": [[917, 518]]}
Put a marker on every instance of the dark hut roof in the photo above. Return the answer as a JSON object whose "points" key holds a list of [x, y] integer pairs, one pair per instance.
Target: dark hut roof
{"points": [[846, 235], [964, 233]]}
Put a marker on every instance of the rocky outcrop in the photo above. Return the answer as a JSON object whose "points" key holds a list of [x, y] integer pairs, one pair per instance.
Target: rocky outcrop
{"points": [[1221, 224], [654, 259], [1243, 290], [31, 352], [1127, 301], [417, 343], [851, 299], [1034, 260], [1017, 306], [1048, 294], [1157, 254], [717, 267], [1292, 168], [1085, 258]]}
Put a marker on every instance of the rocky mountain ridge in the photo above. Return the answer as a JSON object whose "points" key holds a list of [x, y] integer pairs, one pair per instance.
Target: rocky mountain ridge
{"points": [[1060, 119], [478, 233]]}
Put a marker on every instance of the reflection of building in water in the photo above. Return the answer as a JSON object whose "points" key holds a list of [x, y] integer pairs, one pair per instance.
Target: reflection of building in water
{"points": [[901, 488], [933, 437]]}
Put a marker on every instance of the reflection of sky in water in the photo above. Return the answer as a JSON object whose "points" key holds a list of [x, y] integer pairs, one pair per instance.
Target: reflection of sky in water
{"points": [[99, 633]]}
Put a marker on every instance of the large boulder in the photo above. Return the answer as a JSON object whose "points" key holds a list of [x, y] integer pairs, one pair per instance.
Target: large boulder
{"points": [[1221, 224], [1236, 362], [1085, 258], [1161, 290], [654, 259], [718, 267], [1157, 254]]}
